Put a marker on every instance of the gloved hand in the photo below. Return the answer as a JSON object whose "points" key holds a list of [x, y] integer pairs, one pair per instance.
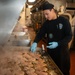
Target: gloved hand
{"points": [[33, 47], [52, 45]]}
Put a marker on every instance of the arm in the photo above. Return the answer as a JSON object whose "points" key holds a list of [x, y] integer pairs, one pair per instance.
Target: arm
{"points": [[41, 33], [67, 33], [38, 37]]}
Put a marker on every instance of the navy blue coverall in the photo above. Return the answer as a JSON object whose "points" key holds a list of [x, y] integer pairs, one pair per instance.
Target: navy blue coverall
{"points": [[58, 30]]}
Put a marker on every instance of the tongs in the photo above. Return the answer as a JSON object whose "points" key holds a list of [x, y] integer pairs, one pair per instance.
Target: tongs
{"points": [[43, 51]]}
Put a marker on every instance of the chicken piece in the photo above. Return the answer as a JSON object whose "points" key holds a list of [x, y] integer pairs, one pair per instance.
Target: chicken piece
{"points": [[41, 60], [28, 64], [18, 72], [26, 56], [29, 69], [34, 55], [40, 68], [53, 73], [30, 72], [26, 60], [37, 55], [31, 54], [32, 59], [41, 63], [29, 58], [32, 69], [41, 73]]}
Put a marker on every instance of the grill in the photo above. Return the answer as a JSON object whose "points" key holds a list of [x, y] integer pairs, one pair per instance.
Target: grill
{"points": [[15, 56], [52, 67]]}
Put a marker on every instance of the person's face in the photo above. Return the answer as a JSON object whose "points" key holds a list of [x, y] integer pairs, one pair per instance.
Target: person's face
{"points": [[48, 14]]}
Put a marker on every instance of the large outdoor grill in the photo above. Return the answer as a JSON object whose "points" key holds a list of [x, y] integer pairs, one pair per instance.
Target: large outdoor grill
{"points": [[17, 60]]}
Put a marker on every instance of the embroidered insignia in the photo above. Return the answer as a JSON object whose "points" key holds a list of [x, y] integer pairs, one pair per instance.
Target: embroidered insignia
{"points": [[60, 26], [51, 35]]}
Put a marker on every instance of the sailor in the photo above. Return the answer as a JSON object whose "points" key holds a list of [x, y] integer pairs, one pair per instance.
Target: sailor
{"points": [[59, 34]]}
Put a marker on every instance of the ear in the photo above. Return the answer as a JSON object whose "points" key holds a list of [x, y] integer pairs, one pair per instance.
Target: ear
{"points": [[52, 9]]}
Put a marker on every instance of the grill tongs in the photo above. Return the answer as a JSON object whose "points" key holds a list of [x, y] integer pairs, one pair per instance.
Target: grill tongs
{"points": [[43, 51]]}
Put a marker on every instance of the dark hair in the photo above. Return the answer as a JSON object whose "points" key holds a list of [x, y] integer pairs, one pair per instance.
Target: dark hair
{"points": [[47, 5]]}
